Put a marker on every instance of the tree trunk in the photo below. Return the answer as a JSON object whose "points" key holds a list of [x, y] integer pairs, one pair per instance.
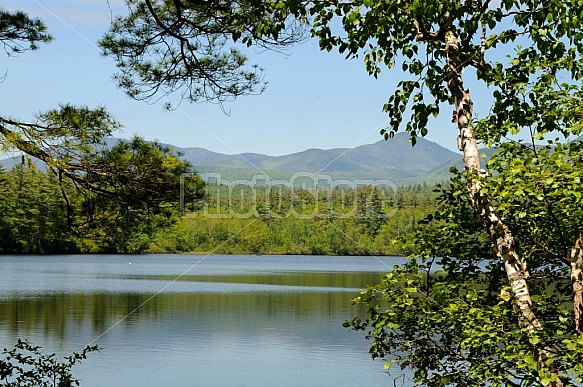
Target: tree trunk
{"points": [[577, 278], [503, 242]]}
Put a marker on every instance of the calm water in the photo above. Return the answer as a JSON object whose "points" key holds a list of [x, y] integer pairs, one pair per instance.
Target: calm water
{"points": [[191, 320]]}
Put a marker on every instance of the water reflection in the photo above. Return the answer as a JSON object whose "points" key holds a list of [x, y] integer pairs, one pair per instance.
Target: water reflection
{"points": [[219, 326], [59, 314]]}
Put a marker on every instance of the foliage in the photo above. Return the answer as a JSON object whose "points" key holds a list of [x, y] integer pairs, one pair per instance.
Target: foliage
{"points": [[363, 221], [449, 319], [138, 175], [72, 141], [130, 177], [36, 215], [473, 320], [94, 189], [37, 219], [19, 32], [26, 365], [43, 214], [194, 49], [539, 39], [539, 192]]}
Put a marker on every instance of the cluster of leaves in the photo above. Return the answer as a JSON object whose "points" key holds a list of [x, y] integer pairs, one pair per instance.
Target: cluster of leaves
{"points": [[457, 325], [73, 142], [543, 35], [193, 48], [19, 32], [26, 365], [448, 317], [539, 192]]}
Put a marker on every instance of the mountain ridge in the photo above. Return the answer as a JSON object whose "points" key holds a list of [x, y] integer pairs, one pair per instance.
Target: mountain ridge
{"points": [[394, 160]]}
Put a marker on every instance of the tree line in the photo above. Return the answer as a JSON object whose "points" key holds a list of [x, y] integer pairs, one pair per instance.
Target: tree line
{"points": [[36, 219], [360, 221], [43, 213]]}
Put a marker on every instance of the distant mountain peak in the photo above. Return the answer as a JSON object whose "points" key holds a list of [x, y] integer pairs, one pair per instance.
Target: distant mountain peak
{"points": [[396, 160], [381, 160]]}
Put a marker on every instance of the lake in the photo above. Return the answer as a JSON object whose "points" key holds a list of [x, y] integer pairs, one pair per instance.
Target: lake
{"points": [[195, 320]]}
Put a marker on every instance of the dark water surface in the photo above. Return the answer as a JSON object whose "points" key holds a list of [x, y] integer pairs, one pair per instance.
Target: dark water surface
{"points": [[195, 320]]}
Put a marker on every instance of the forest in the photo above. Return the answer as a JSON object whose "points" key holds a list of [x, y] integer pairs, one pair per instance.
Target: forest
{"points": [[37, 219]]}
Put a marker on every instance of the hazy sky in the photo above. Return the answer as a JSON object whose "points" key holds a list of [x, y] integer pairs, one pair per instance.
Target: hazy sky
{"points": [[313, 99]]}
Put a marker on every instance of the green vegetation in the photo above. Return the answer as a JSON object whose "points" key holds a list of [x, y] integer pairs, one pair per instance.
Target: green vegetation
{"points": [[36, 219], [93, 194], [44, 213], [26, 365], [498, 297], [361, 221], [109, 197]]}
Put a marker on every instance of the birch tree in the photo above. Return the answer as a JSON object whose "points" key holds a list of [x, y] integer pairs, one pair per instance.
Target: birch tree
{"points": [[535, 88]]}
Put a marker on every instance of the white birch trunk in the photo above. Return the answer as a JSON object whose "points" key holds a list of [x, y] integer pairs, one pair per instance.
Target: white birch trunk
{"points": [[577, 279], [502, 240]]}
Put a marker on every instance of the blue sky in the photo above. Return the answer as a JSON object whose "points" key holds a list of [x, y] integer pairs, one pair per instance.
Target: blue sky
{"points": [[313, 99]]}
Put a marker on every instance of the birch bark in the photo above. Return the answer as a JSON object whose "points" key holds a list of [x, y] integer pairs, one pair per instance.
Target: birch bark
{"points": [[577, 279], [503, 241]]}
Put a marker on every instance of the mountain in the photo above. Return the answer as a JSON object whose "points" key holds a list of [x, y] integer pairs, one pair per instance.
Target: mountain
{"points": [[394, 160], [9, 162]]}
